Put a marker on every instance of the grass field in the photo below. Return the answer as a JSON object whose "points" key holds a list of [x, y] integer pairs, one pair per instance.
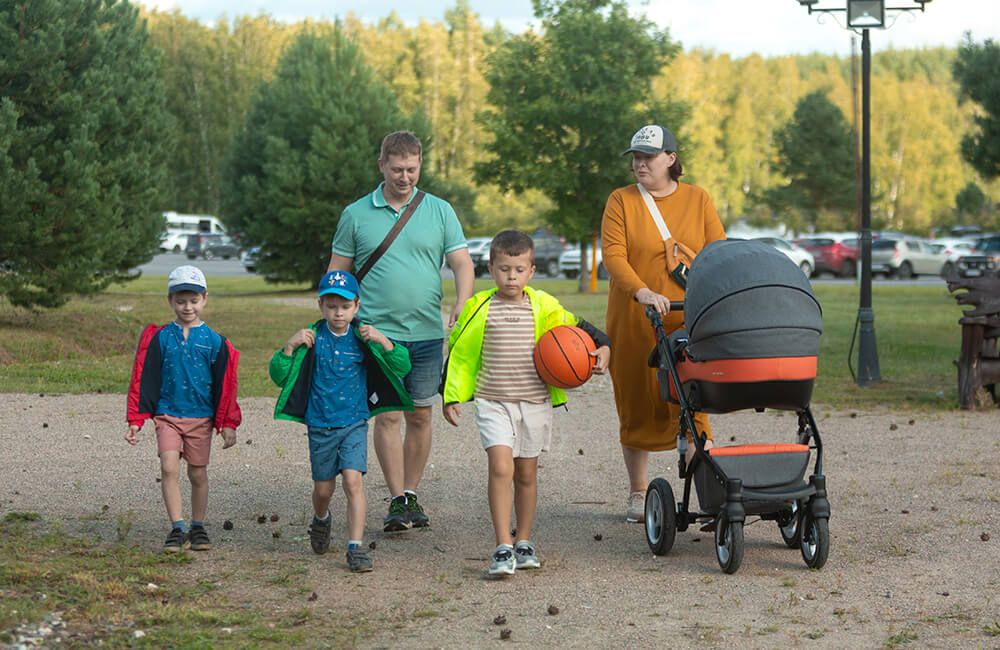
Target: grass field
{"points": [[87, 346]]}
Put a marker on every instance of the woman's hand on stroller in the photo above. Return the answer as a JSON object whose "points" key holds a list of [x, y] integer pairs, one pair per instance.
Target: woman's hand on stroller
{"points": [[660, 303], [603, 355]]}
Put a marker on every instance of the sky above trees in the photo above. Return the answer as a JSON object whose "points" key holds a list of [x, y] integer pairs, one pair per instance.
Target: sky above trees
{"points": [[737, 27]]}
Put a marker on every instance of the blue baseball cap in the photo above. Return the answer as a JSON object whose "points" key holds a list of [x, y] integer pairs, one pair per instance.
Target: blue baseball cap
{"points": [[340, 283]]}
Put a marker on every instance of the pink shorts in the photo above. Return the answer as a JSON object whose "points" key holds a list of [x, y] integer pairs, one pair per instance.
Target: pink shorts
{"points": [[190, 437]]}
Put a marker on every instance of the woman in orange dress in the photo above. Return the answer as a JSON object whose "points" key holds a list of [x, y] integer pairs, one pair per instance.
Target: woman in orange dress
{"points": [[635, 258]]}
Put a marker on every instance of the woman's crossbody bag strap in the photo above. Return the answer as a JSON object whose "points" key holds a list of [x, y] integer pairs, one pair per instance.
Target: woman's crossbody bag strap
{"points": [[679, 256], [391, 236], [654, 212]]}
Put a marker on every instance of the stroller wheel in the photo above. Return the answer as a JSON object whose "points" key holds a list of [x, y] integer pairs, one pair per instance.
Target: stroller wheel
{"points": [[661, 516], [815, 543], [788, 525], [728, 543]]}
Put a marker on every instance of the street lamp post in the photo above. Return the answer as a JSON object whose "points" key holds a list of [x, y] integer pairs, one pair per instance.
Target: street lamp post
{"points": [[865, 15]]}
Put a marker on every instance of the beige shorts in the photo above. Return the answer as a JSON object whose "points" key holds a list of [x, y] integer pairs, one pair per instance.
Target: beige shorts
{"points": [[524, 427], [190, 437]]}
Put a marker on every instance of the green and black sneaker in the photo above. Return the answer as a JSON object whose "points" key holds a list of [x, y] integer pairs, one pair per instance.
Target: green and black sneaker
{"points": [[396, 520], [415, 513]]}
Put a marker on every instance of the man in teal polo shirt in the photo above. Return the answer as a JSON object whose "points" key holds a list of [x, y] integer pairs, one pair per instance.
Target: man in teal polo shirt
{"points": [[401, 296]]}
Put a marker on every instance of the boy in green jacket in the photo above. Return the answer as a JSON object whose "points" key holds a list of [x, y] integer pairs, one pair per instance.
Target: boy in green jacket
{"points": [[490, 360], [334, 375]]}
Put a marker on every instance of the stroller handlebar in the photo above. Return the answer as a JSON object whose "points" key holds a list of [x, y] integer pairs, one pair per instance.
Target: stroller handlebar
{"points": [[654, 317]]}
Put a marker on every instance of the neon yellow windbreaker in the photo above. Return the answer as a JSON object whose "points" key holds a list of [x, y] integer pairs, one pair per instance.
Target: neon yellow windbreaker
{"points": [[465, 343]]}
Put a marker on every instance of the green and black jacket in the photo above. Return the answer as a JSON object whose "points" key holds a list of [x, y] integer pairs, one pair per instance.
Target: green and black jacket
{"points": [[384, 371]]}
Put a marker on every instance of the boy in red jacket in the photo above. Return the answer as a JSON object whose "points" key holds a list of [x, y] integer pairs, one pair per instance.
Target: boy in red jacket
{"points": [[184, 378]]}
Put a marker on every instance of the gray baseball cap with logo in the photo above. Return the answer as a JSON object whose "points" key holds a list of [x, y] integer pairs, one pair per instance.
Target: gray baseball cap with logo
{"points": [[652, 139]]}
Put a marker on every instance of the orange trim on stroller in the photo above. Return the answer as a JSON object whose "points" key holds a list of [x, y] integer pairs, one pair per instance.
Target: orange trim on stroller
{"points": [[748, 450], [748, 370]]}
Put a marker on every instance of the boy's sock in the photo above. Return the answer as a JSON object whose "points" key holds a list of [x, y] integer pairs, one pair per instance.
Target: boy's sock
{"points": [[179, 524], [324, 520], [197, 524], [405, 492], [354, 544]]}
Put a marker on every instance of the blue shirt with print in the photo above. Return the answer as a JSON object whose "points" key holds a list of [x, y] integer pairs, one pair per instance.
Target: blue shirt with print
{"points": [[339, 394], [186, 384]]}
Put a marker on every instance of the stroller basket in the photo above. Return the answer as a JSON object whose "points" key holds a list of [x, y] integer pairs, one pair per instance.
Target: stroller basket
{"points": [[762, 468]]}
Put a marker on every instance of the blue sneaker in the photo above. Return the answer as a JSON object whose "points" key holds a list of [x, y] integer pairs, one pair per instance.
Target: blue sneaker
{"points": [[524, 553], [503, 562]]}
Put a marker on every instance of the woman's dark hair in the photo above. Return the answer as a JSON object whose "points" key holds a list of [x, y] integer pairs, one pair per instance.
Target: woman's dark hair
{"points": [[676, 170], [512, 242]]}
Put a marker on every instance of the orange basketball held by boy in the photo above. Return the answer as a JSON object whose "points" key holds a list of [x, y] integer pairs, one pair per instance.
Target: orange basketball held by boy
{"points": [[564, 357]]}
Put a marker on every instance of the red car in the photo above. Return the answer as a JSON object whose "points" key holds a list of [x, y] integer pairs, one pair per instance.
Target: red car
{"points": [[835, 253]]}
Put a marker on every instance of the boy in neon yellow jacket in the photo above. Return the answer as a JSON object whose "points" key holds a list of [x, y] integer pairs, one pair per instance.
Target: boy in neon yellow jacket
{"points": [[490, 361]]}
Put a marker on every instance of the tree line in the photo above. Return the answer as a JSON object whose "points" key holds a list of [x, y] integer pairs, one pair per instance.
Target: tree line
{"points": [[275, 127]]}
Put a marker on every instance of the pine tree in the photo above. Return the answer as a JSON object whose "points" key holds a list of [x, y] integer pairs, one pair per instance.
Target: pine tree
{"points": [[82, 136], [816, 156], [307, 151], [977, 71]]}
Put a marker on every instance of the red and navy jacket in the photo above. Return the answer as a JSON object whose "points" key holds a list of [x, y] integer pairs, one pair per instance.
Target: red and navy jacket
{"points": [[144, 389]]}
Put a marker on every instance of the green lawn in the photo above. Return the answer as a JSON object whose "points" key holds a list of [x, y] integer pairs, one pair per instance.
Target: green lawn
{"points": [[87, 346]]}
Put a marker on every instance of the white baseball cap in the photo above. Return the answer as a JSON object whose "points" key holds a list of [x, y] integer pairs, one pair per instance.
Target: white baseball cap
{"points": [[186, 278]]}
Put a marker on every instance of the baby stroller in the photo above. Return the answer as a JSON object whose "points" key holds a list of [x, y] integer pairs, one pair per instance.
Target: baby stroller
{"points": [[752, 339]]}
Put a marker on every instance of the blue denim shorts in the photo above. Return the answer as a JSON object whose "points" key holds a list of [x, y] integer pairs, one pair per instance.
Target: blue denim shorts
{"points": [[426, 359], [334, 449]]}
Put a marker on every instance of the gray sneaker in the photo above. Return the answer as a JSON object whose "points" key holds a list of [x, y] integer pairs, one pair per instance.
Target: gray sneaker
{"points": [[524, 553], [176, 541], [635, 510], [198, 539], [358, 560], [503, 562], [319, 534]]}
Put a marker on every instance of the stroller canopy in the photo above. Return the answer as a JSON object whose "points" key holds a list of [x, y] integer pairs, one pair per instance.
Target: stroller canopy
{"points": [[746, 300]]}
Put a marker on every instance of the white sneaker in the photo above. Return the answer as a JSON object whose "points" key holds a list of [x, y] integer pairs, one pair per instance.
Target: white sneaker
{"points": [[636, 509], [503, 562], [527, 558]]}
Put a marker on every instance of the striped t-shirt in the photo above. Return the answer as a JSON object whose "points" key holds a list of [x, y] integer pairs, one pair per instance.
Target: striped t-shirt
{"points": [[508, 371]]}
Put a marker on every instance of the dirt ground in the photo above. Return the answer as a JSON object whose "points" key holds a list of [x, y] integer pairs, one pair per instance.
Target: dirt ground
{"points": [[915, 503]]}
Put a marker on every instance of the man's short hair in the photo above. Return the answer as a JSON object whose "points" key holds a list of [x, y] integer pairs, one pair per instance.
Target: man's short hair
{"points": [[512, 242], [400, 143]]}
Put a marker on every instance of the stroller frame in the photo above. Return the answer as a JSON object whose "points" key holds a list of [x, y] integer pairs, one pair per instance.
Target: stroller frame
{"points": [[799, 507]]}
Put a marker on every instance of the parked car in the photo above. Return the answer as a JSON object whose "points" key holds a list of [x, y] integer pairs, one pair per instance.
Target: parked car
{"points": [[210, 247], [479, 251], [249, 259], [952, 248], [835, 253], [548, 249], [985, 258], [569, 262], [905, 258], [802, 258]]}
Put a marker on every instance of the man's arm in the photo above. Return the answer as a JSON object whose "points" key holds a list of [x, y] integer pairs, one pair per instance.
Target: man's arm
{"points": [[465, 277], [341, 263]]}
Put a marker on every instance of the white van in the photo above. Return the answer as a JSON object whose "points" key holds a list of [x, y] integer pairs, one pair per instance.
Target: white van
{"points": [[179, 226]]}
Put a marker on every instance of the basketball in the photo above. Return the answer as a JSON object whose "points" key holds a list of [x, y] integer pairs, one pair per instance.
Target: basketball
{"points": [[562, 357]]}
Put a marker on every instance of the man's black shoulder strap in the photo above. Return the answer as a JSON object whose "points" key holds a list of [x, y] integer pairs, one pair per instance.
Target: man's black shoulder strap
{"points": [[391, 236]]}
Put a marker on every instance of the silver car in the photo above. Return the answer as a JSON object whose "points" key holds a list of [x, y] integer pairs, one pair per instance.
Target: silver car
{"points": [[906, 257]]}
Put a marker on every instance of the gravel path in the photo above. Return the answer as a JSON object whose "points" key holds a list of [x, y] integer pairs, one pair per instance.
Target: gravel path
{"points": [[915, 501]]}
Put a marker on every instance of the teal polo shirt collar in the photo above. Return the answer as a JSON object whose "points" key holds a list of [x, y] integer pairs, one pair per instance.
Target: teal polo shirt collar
{"points": [[378, 198]]}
